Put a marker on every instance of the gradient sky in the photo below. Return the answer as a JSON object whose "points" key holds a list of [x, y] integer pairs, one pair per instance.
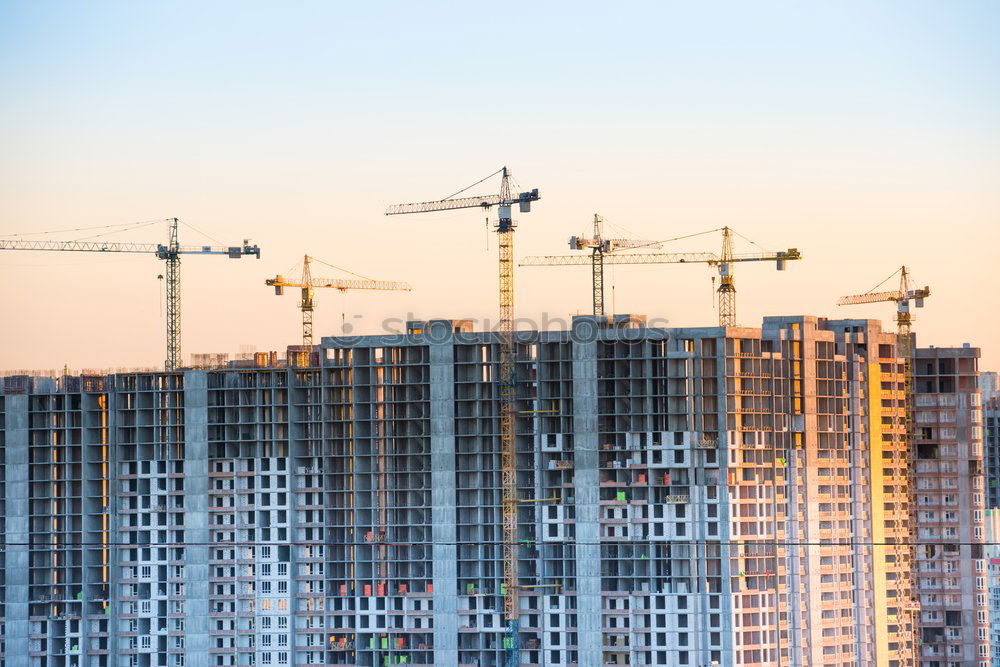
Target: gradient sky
{"points": [[865, 134]]}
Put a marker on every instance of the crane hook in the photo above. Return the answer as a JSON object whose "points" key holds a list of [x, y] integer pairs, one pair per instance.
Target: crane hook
{"points": [[159, 300]]}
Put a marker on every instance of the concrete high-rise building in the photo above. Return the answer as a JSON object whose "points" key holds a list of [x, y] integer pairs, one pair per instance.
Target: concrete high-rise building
{"points": [[988, 385], [991, 450], [950, 504], [993, 582], [991, 437], [690, 496], [991, 454]]}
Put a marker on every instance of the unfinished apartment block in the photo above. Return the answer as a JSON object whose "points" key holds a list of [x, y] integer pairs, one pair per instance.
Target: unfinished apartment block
{"points": [[698, 496], [4, 592], [949, 521], [991, 450], [992, 556], [991, 455]]}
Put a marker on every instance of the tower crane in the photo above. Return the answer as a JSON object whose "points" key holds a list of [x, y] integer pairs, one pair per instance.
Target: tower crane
{"points": [[506, 385], [170, 252], [724, 262], [600, 246], [308, 284], [902, 296], [904, 321]]}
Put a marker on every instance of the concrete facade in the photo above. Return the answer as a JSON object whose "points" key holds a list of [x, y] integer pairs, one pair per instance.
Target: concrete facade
{"points": [[950, 508], [991, 448], [988, 384], [991, 453], [695, 496], [993, 582]]}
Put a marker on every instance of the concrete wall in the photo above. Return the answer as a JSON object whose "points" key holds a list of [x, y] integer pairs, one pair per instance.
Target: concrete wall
{"points": [[196, 517], [16, 539], [443, 504]]}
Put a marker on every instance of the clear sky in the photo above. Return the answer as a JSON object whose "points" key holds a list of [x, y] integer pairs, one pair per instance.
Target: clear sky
{"points": [[865, 134]]}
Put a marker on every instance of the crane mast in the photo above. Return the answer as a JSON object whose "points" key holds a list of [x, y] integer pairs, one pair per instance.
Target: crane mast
{"points": [[508, 435], [597, 273], [172, 256], [170, 253], [306, 304], [506, 382], [727, 287]]}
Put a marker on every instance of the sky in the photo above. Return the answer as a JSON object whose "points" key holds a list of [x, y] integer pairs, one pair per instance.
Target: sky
{"points": [[865, 134]]}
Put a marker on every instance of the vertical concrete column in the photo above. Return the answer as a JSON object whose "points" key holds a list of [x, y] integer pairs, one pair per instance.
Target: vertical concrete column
{"points": [[814, 639], [93, 508], [443, 501], [588, 495], [196, 532], [114, 520], [295, 450], [17, 498]]}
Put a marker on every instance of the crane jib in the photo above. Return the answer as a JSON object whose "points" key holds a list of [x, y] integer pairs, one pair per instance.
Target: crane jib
{"points": [[523, 200]]}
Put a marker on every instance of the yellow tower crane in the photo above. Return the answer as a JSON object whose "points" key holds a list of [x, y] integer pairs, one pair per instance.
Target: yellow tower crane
{"points": [[901, 297], [307, 284], [724, 262], [504, 201], [902, 414]]}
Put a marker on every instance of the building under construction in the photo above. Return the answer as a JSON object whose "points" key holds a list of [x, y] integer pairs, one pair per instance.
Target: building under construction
{"points": [[687, 496], [950, 493]]}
